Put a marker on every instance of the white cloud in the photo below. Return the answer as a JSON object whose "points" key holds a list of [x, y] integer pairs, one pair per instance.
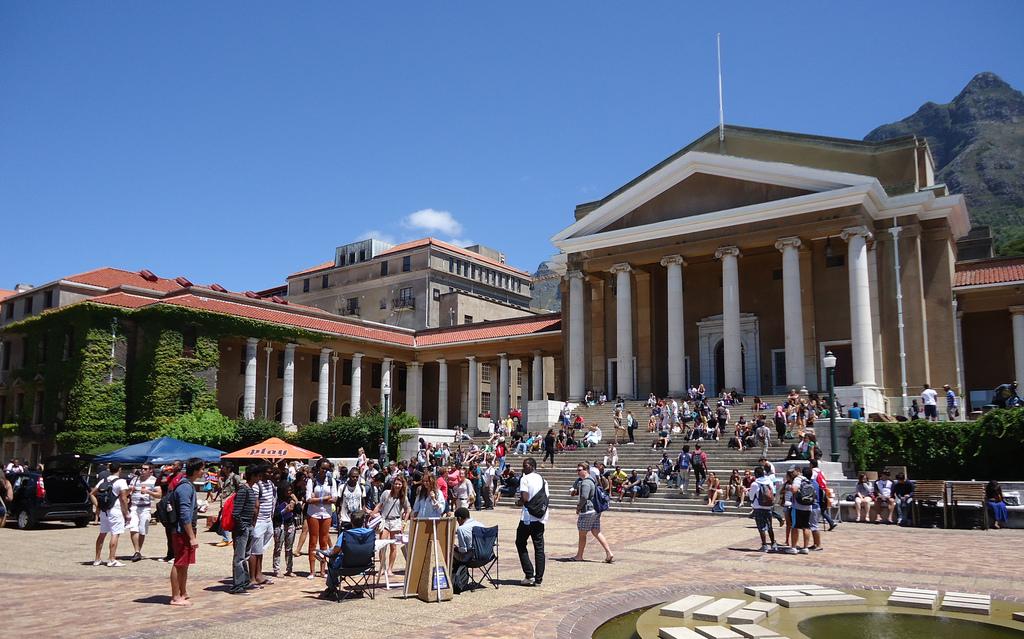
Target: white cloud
{"points": [[432, 221], [461, 242]]}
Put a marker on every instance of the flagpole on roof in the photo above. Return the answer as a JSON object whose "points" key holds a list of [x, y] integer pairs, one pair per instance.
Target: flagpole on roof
{"points": [[721, 108]]}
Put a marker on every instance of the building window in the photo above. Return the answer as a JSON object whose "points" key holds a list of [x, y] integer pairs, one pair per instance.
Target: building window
{"points": [[383, 303], [375, 375], [37, 407], [314, 408], [325, 281], [24, 352], [352, 305], [28, 305], [406, 263], [485, 373], [451, 265], [185, 401], [835, 261], [280, 365], [41, 349], [437, 294], [467, 319], [19, 404], [351, 258], [485, 402], [315, 369], [519, 377], [10, 310], [188, 341], [277, 409], [6, 363], [346, 372], [402, 378], [69, 344], [405, 298], [48, 299], [384, 268], [362, 255]]}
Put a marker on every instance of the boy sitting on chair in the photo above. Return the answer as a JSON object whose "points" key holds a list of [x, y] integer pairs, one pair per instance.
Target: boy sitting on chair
{"points": [[334, 558]]}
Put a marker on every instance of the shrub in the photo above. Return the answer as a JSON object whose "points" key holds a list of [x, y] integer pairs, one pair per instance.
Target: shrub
{"points": [[988, 448], [253, 431], [342, 436], [205, 427]]}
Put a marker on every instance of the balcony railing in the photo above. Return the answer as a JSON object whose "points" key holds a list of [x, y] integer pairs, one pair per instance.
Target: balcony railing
{"points": [[403, 302], [349, 310]]}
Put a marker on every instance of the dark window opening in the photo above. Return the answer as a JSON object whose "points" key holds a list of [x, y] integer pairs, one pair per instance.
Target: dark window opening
{"points": [[305, 285], [406, 263], [777, 274], [10, 310], [315, 373], [28, 305], [384, 268], [37, 407], [835, 261], [437, 294], [375, 375], [48, 299], [185, 400], [402, 373], [325, 281], [346, 372], [69, 344], [467, 319], [189, 337]]}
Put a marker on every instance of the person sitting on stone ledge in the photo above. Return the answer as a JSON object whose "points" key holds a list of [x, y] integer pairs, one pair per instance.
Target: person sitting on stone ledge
{"points": [[863, 499], [619, 479], [714, 487], [734, 489], [996, 504], [903, 498], [884, 498]]}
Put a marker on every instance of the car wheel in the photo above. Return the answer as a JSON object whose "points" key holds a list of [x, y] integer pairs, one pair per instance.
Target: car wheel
{"points": [[81, 523], [25, 521]]}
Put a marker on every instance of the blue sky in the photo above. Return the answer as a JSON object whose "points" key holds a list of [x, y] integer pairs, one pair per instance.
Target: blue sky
{"points": [[236, 142]]}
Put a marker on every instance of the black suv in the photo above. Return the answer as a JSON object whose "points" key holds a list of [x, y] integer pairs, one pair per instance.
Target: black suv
{"points": [[59, 493]]}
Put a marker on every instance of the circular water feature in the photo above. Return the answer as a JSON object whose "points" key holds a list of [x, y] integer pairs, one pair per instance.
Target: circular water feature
{"points": [[621, 627], [887, 625]]}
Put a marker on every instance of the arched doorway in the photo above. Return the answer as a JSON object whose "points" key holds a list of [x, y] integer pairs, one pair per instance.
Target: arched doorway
{"points": [[720, 365]]}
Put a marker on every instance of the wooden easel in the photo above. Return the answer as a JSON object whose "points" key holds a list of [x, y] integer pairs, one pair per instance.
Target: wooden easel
{"points": [[431, 544]]}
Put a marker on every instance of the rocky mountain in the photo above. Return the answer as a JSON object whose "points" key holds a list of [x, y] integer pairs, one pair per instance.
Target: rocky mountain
{"points": [[547, 294], [978, 144]]}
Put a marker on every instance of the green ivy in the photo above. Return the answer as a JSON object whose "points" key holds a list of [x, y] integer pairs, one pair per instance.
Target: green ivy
{"points": [[343, 436], [989, 448]]}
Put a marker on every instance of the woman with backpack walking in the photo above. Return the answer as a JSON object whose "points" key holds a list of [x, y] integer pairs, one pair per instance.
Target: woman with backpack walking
{"points": [[593, 500]]}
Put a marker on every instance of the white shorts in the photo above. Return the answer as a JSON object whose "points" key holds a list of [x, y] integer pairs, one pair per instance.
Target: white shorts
{"points": [[112, 521], [262, 536], [138, 520]]}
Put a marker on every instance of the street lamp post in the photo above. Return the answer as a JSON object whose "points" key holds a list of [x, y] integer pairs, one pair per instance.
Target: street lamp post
{"points": [[387, 415], [830, 376]]}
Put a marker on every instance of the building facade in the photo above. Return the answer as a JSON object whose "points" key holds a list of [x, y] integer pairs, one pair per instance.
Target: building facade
{"points": [[406, 285], [739, 263]]}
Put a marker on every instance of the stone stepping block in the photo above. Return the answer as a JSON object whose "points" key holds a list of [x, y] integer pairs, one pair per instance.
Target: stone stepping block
{"points": [[718, 610], [684, 607], [754, 631], [917, 591], [678, 633], [745, 616], [967, 596], [972, 607], [821, 591], [718, 632], [924, 603], [766, 607], [803, 601], [774, 595], [757, 590], [1018, 616]]}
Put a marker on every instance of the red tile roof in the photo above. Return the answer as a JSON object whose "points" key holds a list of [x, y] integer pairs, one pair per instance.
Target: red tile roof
{"points": [[1000, 270], [313, 269], [4, 294], [454, 249], [124, 300], [113, 277], [491, 330]]}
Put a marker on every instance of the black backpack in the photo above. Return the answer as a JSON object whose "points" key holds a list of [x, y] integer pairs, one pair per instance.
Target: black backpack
{"points": [[806, 495], [538, 504], [166, 513], [105, 499]]}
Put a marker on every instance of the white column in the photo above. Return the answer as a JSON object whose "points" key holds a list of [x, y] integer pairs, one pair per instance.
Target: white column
{"points": [[473, 407], [577, 352], [442, 393], [623, 330], [731, 344], [524, 388], [268, 349], [537, 384], [860, 305], [674, 319], [357, 384], [503, 386], [385, 378], [249, 397], [288, 394], [1018, 343], [414, 389], [334, 383], [792, 312], [324, 387]]}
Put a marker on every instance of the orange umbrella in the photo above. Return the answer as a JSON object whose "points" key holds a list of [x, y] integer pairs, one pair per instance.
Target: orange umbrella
{"points": [[272, 450]]}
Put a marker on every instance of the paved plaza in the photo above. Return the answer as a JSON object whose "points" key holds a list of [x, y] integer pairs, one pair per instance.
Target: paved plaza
{"points": [[51, 590]]}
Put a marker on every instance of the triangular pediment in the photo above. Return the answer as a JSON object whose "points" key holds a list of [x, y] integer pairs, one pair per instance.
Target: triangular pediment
{"points": [[697, 184]]}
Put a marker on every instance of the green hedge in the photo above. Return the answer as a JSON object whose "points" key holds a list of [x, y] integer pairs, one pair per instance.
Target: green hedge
{"points": [[989, 448], [342, 436]]}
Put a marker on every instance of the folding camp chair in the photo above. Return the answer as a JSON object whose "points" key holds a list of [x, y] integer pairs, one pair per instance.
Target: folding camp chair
{"points": [[354, 567], [485, 556]]}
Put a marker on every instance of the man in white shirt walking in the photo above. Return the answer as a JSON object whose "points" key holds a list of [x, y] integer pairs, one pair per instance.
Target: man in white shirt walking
{"points": [[533, 497], [929, 398], [111, 494], [143, 489]]}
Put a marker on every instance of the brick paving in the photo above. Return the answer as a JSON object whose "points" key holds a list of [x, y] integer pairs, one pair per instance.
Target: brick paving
{"points": [[49, 590]]}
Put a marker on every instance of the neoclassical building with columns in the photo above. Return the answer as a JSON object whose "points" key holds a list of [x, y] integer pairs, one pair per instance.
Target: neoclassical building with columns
{"points": [[739, 263]]}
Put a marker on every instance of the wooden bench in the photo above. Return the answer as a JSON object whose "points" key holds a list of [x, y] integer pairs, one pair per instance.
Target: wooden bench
{"points": [[927, 491], [974, 495]]}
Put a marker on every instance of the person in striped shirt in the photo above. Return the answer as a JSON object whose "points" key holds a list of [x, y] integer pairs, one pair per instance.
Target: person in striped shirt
{"points": [[263, 530]]}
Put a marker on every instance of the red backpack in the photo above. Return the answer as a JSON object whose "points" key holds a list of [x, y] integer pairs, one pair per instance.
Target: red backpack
{"points": [[227, 516]]}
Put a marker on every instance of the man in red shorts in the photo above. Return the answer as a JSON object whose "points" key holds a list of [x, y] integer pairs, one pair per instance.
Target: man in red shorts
{"points": [[183, 539]]}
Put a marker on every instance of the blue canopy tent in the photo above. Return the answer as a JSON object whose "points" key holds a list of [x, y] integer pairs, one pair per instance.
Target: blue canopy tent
{"points": [[160, 450]]}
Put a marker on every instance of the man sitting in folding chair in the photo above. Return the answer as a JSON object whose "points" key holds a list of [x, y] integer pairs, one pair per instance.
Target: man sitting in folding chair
{"points": [[351, 561], [476, 550]]}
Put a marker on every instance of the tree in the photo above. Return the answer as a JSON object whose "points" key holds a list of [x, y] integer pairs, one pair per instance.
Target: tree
{"points": [[343, 436], [204, 427], [253, 431]]}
